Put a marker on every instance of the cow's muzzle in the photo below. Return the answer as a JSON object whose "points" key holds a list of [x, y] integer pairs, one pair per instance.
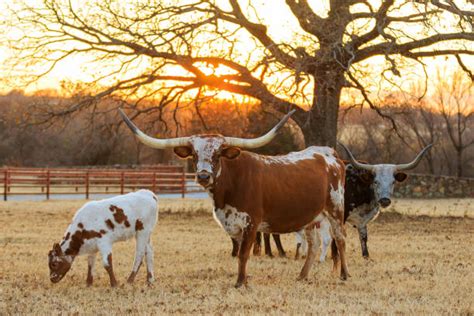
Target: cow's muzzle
{"points": [[384, 202], [55, 278], [203, 178]]}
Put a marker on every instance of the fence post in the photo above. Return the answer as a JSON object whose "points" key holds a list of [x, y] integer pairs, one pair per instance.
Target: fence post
{"points": [[48, 179], [153, 182], [122, 180], [87, 185], [183, 183], [5, 185]]}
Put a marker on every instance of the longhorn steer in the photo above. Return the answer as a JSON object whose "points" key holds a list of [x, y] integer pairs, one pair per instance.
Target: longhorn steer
{"points": [[253, 193], [99, 224], [370, 187]]}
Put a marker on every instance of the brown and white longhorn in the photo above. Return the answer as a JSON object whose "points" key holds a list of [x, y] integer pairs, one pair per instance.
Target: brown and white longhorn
{"points": [[252, 192]]}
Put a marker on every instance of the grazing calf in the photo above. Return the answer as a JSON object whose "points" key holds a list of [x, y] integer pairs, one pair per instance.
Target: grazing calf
{"points": [[98, 225], [323, 232], [252, 192]]}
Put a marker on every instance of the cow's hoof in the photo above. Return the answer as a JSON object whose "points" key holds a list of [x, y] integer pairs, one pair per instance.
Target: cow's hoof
{"points": [[241, 281], [240, 284], [302, 278]]}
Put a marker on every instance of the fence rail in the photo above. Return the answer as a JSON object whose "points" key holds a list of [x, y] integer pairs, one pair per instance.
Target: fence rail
{"points": [[51, 181]]}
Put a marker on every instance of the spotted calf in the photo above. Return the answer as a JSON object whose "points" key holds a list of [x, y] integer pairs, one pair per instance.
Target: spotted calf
{"points": [[98, 225]]}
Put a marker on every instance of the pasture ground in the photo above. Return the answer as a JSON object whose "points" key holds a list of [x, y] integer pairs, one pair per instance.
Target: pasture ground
{"points": [[420, 265]]}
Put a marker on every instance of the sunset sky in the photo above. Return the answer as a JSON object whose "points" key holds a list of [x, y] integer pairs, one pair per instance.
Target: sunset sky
{"points": [[284, 28]]}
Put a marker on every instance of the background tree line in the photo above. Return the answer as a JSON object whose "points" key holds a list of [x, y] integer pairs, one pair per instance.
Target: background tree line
{"points": [[175, 50], [90, 137]]}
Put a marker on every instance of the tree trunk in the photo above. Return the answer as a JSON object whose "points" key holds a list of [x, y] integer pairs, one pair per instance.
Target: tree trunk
{"points": [[320, 126], [459, 162]]}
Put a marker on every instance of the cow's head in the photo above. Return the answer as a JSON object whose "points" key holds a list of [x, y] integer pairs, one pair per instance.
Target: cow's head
{"points": [[59, 263], [382, 177], [206, 150]]}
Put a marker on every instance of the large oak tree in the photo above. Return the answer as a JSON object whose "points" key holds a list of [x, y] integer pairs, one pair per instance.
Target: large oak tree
{"points": [[177, 51]]}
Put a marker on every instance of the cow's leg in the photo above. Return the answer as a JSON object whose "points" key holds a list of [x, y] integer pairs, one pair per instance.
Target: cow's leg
{"points": [[339, 234], [257, 246], [300, 243], [281, 251], [325, 235], [90, 269], [140, 249], [313, 246], [106, 253], [363, 240], [268, 246], [150, 277], [334, 256], [248, 239], [297, 254], [235, 247]]}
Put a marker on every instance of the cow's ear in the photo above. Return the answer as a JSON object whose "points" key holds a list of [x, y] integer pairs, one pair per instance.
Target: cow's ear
{"points": [[230, 152], [400, 176], [367, 177], [183, 151]]}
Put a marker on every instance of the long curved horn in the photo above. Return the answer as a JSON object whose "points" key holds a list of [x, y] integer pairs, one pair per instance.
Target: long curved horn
{"points": [[153, 142], [415, 161], [356, 164], [260, 141]]}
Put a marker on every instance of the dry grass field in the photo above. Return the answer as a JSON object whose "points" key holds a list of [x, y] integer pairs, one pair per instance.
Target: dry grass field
{"points": [[420, 265]]}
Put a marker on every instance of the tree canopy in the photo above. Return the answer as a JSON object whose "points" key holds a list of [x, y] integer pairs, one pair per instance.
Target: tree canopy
{"points": [[181, 52]]}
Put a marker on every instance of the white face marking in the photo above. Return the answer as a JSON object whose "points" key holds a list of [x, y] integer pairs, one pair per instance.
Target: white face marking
{"points": [[384, 180], [205, 148], [294, 157], [337, 196], [232, 221]]}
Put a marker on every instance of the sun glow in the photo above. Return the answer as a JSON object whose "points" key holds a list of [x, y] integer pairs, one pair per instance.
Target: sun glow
{"points": [[281, 25]]}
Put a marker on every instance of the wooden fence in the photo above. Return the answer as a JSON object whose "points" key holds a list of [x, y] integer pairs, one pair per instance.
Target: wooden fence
{"points": [[52, 181]]}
